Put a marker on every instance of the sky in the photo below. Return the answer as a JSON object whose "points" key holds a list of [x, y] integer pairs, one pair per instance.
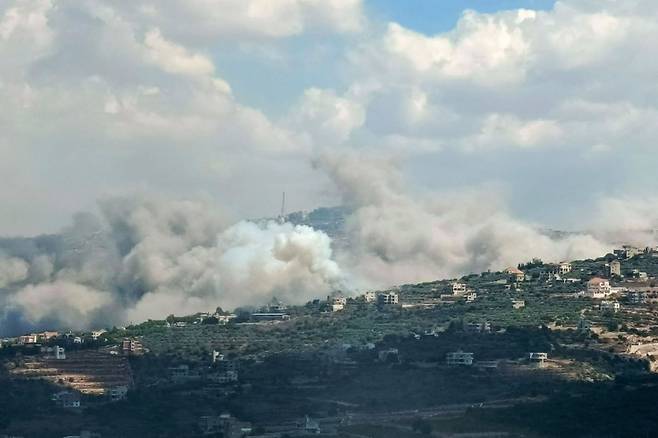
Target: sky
{"points": [[551, 105]]}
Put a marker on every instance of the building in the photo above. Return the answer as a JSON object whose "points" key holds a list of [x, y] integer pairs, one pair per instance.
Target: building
{"points": [[97, 334], [337, 303], [614, 268], [627, 252], [370, 297], [537, 358], [28, 339], [637, 297], [459, 358], [516, 273], [60, 354], [477, 327], [518, 304], [598, 288], [388, 298], [46, 336], [458, 288], [224, 425], [117, 393], [471, 296], [132, 347], [270, 316], [563, 268], [179, 372], [67, 399], [610, 306]]}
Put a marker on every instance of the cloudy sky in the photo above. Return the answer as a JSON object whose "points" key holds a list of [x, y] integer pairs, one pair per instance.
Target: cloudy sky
{"points": [[551, 105]]}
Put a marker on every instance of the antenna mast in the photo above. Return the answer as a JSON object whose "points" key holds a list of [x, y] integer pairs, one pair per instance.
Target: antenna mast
{"points": [[283, 208]]}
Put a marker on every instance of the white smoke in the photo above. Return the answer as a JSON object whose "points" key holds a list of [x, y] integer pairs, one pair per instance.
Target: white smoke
{"points": [[400, 237], [146, 258], [12, 270]]}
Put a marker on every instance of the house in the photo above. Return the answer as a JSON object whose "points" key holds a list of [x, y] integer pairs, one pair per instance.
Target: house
{"points": [[132, 347], [458, 288], [627, 252], [46, 336], [637, 297], [614, 268], [337, 303], [471, 296], [537, 358], [477, 327], [610, 306], [598, 287], [60, 354], [117, 393], [179, 372], [28, 339], [388, 298], [370, 297], [97, 334], [67, 399], [563, 268], [275, 306], [518, 304], [516, 273], [459, 358]]}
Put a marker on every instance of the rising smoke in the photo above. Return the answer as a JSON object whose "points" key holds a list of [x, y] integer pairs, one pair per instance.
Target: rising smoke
{"points": [[142, 257]]}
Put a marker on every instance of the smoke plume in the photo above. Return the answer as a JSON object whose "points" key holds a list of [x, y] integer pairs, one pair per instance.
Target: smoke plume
{"points": [[144, 258]]}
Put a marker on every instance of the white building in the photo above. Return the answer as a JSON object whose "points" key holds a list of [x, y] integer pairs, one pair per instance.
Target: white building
{"points": [[458, 288], [610, 306], [337, 303], [516, 273], [471, 296], [370, 297], [598, 287], [537, 358], [563, 268], [459, 358], [388, 298], [60, 354], [518, 304]]}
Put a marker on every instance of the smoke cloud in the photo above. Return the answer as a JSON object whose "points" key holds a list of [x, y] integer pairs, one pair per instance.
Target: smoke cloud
{"points": [[144, 258], [398, 237]]}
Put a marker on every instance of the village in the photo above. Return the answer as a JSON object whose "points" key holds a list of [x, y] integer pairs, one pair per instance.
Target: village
{"points": [[323, 368]]}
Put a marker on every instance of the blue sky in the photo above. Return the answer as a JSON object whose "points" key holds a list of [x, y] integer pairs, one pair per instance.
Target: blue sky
{"points": [[434, 16]]}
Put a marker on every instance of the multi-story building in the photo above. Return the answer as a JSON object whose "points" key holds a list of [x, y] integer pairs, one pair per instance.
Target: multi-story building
{"points": [[610, 306], [614, 268], [388, 298], [458, 288], [459, 358], [598, 287]]}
